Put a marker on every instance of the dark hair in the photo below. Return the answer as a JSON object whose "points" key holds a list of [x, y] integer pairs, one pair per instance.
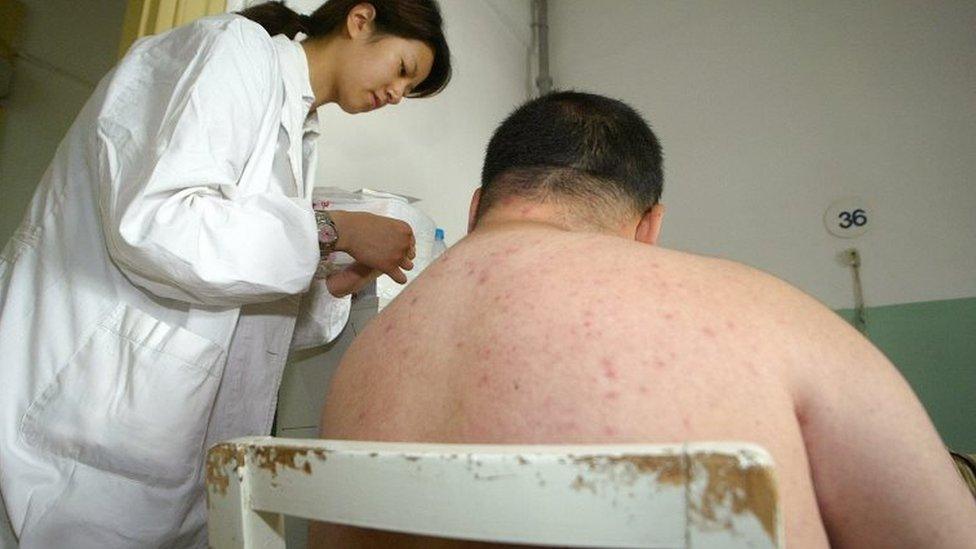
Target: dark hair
{"points": [[574, 145], [409, 19]]}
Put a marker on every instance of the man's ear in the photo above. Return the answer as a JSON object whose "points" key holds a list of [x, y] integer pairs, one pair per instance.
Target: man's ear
{"points": [[649, 226], [473, 209], [359, 20]]}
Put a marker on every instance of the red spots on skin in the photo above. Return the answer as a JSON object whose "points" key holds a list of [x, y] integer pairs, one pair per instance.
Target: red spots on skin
{"points": [[458, 345], [669, 316], [485, 353], [609, 371], [611, 395], [483, 278], [659, 364], [588, 323], [685, 422], [642, 389], [609, 430], [483, 380], [730, 325], [389, 327], [414, 300], [525, 210], [708, 331]]}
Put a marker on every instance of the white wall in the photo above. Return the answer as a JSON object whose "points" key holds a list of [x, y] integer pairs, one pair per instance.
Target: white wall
{"points": [[67, 45], [433, 148], [768, 111]]}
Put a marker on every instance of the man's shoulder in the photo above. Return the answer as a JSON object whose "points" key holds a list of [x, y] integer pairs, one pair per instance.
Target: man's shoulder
{"points": [[708, 279]]}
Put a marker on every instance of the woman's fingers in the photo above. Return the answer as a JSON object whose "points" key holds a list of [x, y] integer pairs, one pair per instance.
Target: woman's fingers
{"points": [[351, 279], [397, 275]]}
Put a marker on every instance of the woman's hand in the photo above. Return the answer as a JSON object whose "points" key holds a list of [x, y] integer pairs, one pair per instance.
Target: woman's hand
{"points": [[379, 243], [350, 279]]}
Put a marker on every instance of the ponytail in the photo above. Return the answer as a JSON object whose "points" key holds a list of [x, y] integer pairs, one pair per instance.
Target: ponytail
{"points": [[277, 18]]}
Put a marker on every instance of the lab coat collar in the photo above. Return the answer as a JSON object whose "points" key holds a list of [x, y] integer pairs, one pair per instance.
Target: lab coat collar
{"points": [[298, 82], [300, 121]]}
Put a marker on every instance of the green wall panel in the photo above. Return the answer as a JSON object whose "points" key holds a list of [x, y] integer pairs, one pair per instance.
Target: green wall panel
{"points": [[933, 343]]}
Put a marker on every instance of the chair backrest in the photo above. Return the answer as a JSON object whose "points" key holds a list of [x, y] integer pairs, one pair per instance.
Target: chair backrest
{"points": [[663, 495]]}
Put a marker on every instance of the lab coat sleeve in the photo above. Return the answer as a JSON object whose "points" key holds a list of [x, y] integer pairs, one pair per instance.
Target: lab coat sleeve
{"points": [[321, 317], [186, 151]]}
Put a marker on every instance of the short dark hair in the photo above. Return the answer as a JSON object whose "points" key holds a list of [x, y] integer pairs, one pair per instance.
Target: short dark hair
{"points": [[570, 144], [409, 19]]}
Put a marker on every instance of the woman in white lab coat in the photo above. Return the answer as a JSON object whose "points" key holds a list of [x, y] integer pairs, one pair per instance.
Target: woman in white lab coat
{"points": [[148, 298]]}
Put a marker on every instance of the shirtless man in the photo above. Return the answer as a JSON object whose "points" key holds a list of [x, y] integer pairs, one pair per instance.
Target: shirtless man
{"points": [[557, 320]]}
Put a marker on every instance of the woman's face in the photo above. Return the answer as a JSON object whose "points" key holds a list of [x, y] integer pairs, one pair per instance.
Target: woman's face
{"points": [[375, 72]]}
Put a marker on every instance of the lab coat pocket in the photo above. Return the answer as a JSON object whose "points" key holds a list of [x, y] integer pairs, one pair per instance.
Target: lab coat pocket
{"points": [[133, 400]]}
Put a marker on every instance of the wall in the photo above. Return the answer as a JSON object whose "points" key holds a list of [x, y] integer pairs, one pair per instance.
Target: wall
{"points": [[768, 111], [66, 47]]}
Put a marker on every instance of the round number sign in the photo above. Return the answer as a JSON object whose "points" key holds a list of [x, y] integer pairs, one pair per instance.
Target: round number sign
{"points": [[848, 217]]}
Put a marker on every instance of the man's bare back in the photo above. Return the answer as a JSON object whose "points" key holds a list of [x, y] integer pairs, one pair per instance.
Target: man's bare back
{"points": [[557, 320], [529, 334]]}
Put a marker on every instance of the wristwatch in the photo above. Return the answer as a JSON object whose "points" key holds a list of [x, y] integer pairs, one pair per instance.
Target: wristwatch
{"points": [[328, 235]]}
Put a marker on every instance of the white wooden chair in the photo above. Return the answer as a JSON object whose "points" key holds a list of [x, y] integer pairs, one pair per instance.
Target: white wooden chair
{"points": [[663, 495]]}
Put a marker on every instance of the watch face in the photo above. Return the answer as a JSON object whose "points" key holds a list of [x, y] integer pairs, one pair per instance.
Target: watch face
{"points": [[327, 234], [327, 230]]}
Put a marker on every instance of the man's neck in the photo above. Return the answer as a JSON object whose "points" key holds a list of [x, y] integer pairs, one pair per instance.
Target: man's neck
{"points": [[524, 214], [533, 215]]}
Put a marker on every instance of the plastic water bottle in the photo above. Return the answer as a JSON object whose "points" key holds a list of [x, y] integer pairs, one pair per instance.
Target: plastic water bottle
{"points": [[439, 246]]}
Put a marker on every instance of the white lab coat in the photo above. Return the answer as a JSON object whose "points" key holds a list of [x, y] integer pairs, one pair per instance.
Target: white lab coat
{"points": [[148, 298]]}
